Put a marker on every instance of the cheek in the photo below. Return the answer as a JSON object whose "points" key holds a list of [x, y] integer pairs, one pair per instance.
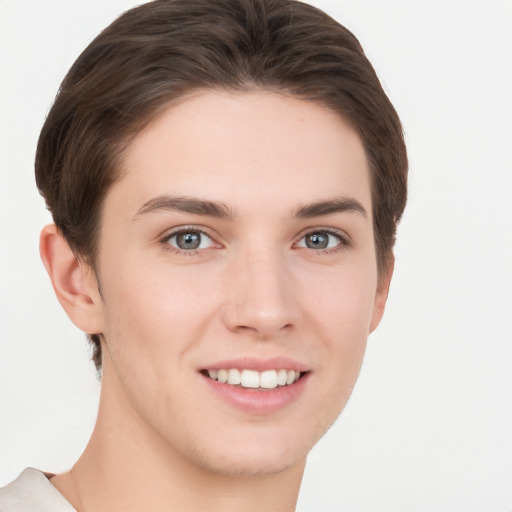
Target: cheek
{"points": [[342, 303], [154, 311], [341, 313], [153, 322]]}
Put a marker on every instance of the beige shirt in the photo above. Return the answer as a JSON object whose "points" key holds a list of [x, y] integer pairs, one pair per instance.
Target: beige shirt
{"points": [[33, 492]]}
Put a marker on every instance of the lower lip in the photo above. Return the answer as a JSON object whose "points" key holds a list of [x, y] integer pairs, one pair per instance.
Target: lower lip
{"points": [[259, 401]]}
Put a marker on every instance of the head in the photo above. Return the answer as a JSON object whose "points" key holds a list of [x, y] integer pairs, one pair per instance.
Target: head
{"points": [[177, 57], [163, 50]]}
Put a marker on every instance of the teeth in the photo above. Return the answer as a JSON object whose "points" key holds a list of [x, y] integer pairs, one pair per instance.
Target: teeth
{"points": [[250, 379], [234, 377], [269, 379]]}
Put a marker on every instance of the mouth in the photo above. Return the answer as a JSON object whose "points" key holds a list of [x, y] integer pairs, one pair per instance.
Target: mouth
{"points": [[253, 379], [255, 386]]}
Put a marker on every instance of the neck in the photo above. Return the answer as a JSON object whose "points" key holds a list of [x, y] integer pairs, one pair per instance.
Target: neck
{"points": [[127, 467]]}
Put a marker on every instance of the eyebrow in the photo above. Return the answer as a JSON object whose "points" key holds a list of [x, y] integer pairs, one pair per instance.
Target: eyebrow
{"points": [[187, 205], [330, 207], [220, 210]]}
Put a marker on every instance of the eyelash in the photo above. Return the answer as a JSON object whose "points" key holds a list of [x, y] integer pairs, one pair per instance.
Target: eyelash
{"points": [[181, 231], [344, 241], [343, 238]]}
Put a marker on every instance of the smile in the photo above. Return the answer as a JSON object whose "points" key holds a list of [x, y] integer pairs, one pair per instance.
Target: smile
{"points": [[268, 379]]}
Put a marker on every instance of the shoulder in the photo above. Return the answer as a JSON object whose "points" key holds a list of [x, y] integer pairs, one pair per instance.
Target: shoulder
{"points": [[32, 492]]}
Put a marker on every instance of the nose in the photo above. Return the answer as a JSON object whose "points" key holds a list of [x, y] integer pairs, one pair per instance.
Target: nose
{"points": [[261, 297]]}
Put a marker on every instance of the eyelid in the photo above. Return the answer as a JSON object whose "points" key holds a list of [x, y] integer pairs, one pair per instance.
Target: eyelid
{"points": [[168, 234], [345, 240], [165, 236]]}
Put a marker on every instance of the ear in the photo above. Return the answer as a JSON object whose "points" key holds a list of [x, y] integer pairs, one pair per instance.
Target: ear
{"points": [[381, 296], [73, 280]]}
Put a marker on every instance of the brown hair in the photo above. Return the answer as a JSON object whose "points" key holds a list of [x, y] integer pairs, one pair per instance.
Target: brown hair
{"points": [[164, 49]]}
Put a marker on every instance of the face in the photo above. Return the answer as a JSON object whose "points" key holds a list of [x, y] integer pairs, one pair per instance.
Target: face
{"points": [[238, 278]]}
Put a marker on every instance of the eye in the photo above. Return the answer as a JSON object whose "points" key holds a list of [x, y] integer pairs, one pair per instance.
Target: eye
{"points": [[189, 240], [321, 240]]}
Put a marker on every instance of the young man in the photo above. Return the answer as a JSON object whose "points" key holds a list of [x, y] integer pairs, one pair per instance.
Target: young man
{"points": [[225, 179]]}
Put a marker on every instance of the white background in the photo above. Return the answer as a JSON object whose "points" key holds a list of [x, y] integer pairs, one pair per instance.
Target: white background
{"points": [[429, 426]]}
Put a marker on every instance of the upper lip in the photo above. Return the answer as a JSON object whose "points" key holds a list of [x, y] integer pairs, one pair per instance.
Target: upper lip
{"points": [[260, 365]]}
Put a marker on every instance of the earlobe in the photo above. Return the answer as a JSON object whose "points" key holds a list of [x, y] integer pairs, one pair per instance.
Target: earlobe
{"points": [[74, 281], [381, 296]]}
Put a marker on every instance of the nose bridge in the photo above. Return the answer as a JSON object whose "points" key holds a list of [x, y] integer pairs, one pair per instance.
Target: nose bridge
{"points": [[261, 299]]}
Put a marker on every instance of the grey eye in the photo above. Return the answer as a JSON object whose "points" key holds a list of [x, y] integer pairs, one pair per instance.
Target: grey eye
{"points": [[320, 240], [317, 241], [190, 240]]}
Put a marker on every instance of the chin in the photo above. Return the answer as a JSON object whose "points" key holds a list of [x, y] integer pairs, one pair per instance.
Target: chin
{"points": [[249, 465], [256, 456]]}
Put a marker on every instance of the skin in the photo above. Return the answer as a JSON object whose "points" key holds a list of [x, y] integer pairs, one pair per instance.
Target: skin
{"points": [[254, 289]]}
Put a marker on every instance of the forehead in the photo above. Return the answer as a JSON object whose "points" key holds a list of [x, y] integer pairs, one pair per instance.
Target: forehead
{"points": [[246, 149]]}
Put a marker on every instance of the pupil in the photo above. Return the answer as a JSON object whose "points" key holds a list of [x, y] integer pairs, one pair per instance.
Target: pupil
{"points": [[188, 240], [317, 241]]}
